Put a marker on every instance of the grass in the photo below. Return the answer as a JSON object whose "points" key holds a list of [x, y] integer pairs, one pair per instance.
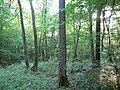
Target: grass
{"points": [[81, 77]]}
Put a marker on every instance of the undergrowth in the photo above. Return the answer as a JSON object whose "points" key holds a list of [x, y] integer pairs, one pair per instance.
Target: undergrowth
{"points": [[14, 77]]}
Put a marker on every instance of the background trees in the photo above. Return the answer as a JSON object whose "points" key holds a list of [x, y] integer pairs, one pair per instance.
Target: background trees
{"points": [[10, 37]]}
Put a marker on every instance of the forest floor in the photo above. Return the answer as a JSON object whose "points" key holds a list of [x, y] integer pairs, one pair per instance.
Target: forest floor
{"points": [[81, 77]]}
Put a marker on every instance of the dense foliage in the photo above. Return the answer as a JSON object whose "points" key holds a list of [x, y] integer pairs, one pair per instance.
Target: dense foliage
{"points": [[16, 78], [92, 31], [77, 13]]}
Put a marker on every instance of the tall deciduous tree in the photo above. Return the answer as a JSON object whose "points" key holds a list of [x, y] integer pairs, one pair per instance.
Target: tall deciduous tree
{"points": [[35, 66], [62, 78], [98, 37], [24, 36], [103, 34]]}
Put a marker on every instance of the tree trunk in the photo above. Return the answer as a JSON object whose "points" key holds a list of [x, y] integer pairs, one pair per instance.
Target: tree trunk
{"points": [[74, 51], [109, 43], [40, 46], [1, 29], [43, 52], [108, 29], [62, 77], [46, 47], [45, 31], [103, 35], [76, 40], [35, 66], [92, 57], [98, 37], [24, 36]]}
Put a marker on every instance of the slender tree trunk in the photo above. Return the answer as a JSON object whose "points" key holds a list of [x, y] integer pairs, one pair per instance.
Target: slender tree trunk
{"points": [[98, 37], [103, 35], [43, 52], [62, 77], [43, 55], [43, 39], [92, 57], [46, 47], [35, 66], [108, 30], [109, 38], [24, 36], [74, 51], [45, 34], [109, 44], [52, 46], [76, 42], [40, 46], [1, 28]]}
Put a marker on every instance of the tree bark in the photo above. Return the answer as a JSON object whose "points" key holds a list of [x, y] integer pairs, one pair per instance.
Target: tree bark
{"points": [[103, 35], [109, 43], [39, 45], [35, 66], [24, 36], [98, 37], [43, 52], [62, 77]]}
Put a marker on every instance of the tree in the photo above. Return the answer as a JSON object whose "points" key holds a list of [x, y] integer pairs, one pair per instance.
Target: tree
{"points": [[108, 30], [76, 40], [90, 13], [24, 36], [35, 66], [98, 37], [9, 34], [62, 78], [92, 57], [103, 34], [46, 57]]}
